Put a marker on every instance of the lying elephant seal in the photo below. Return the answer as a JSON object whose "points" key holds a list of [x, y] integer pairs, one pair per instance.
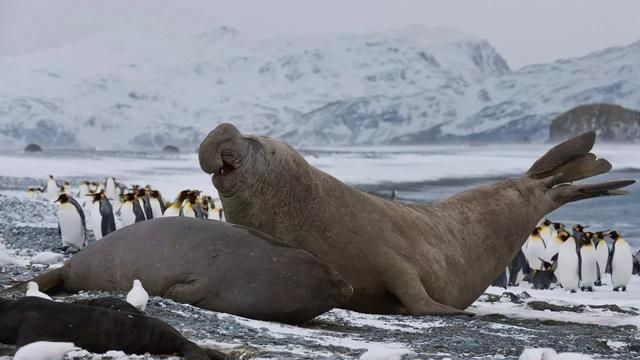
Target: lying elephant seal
{"points": [[400, 258], [95, 329], [209, 264]]}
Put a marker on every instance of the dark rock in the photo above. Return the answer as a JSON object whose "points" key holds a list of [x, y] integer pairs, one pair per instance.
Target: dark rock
{"points": [[611, 122], [33, 148], [170, 149]]}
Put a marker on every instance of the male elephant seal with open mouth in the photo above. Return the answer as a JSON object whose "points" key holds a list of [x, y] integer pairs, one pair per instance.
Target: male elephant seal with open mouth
{"points": [[209, 264], [400, 258]]}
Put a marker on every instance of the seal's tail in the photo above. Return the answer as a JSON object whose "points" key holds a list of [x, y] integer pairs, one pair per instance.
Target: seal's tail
{"points": [[571, 161], [47, 282]]}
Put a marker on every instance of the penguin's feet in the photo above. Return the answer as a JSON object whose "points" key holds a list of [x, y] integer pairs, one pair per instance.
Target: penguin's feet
{"points": [[616, 289], [624, 288], [574, 291], [598, 283]]}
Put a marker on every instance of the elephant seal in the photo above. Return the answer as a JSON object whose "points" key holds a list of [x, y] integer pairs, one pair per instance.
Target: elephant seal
{"points": [[95, 329], [210, 264], [400, 258]]}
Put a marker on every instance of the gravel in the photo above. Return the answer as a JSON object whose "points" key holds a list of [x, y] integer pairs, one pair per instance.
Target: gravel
{"points": [[28, 227]]}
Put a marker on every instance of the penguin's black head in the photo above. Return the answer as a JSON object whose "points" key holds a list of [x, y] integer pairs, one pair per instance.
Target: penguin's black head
{"points": [[547, 222], [130, 196], [141, 192], [558, 226], [63, 198], [601, 234], [614, 235], [50, 176], [155, 194], [536, 232], [564, 235], [193, 196], [547, 266], [577, 228], [588, 235], [183, 195]]}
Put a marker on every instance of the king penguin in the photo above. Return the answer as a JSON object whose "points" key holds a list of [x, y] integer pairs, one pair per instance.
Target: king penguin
{"points": [[52, 188], [568, 270], [553, 245], [543, 278], [621, 262], [192, 206], [110, 188], [157, 204], [71, 222], [518, 268], [102, 219], [588, 263], [145, 205], [175, 209], [602, 255], [536, 249], [131, 211]]}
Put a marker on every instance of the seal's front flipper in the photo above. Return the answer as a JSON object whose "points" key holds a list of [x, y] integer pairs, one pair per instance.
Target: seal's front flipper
{"points": [[188, 292], [405, 284]]}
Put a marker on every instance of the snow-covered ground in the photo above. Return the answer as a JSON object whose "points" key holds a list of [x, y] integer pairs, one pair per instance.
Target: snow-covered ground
{"points": [[603, 323]]}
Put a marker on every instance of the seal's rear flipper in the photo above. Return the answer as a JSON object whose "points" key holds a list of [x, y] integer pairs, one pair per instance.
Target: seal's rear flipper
{"points": [[570, 161], [566, 194]]}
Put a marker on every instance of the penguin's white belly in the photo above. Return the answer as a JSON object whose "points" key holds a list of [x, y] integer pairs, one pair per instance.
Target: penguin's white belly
{"points": [[172, 211], [188, 211], [536, 251], [602, 257], [567, 271], [621, 265], [127, 217], [110, 189], [96, 220], [156, 210], [553, 247], [588, 272], [52, 190], [70, 226]]}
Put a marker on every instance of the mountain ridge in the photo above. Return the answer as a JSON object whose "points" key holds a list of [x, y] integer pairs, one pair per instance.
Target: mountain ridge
{"points": [[123, 90]]}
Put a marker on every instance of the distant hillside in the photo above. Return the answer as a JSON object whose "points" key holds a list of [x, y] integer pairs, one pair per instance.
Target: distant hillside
{"points": [[611, 122], [139, 90]]}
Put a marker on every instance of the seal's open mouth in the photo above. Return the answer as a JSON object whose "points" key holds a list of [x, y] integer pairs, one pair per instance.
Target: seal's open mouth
{"points": [[226, 169]]}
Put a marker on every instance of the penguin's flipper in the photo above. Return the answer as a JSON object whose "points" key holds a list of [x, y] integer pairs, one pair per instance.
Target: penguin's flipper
{"points": [[610, 259], [79, 210], [59, 229], [579, 266]]}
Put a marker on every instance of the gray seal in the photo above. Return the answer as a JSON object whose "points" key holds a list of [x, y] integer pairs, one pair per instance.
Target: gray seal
{"points": [[400, 258], [209, 264]]}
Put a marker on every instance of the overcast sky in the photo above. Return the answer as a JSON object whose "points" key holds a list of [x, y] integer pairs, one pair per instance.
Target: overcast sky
{"points": [[524, 32]]}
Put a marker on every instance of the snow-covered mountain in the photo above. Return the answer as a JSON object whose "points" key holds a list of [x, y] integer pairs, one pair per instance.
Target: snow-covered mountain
{"points": [[135, 89]]}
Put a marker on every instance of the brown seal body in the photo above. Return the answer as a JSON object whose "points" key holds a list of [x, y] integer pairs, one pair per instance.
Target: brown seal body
{"points": [[209, 264], [400, 258]]}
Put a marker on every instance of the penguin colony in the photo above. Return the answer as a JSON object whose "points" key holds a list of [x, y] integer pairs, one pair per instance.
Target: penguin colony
{"points": [[574, 259], [111, 206]]}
